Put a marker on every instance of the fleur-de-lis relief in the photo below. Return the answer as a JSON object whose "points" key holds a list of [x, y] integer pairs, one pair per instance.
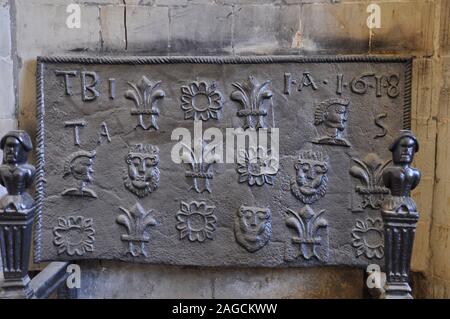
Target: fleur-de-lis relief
{"points": [[145, 96], [200, 164], [369, 172], [307, 225], [253, 96], [136, 222]]}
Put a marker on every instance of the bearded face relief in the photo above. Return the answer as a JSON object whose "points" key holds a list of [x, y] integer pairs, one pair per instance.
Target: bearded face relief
{"points": [[253, 227], [311, 180], [142, 175]]}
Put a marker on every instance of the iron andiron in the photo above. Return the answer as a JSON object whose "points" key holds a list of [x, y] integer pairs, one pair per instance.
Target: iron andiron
{"points": [[17, 210], [400, 215]]}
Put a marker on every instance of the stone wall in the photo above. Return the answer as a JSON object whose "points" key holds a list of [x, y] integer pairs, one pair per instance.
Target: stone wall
{"points": [[420, 28], [440, 225], [8, 114]]}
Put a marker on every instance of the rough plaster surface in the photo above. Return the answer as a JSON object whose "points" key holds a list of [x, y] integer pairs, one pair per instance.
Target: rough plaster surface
{"points": [[424, 30]]}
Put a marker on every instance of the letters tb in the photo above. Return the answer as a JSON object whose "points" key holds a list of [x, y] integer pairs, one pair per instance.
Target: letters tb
{"points": [[89, 84]]}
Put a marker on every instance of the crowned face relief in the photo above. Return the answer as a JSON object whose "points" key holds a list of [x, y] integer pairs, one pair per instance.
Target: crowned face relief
{"points": [[253, 227], [311, 180], [331, 119], [142, 175]]}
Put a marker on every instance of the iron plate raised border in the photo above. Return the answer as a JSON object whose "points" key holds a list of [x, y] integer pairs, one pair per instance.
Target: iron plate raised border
{"points": [[143, 60]]}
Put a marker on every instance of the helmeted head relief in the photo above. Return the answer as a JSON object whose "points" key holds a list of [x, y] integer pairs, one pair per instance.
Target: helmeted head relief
{"points": [[333, 113]]}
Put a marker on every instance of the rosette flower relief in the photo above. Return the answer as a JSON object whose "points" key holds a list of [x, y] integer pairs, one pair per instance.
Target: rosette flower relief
{"points": [[196, 221], [201, 101], [367, 238], [74, 235]]}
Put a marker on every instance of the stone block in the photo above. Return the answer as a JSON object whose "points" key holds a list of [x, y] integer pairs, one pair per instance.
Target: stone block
{"points": [[148, 29], [441, 288], [5, 33], [49, 33], [112, 22], [406, 28], [440, 244], [200, 29], [423, 196], [441, 202], [444, 94], [132, 281], [445, 28], [201, 2], [80, 2], [118, 280], [334, 28], [442, 187], [7, 95], [420, 261], [27, 98], [138, 2], [171, 2], [290, 283], [423, 73], [424, 124], [247, 2], [266, 29], [336, 2]]}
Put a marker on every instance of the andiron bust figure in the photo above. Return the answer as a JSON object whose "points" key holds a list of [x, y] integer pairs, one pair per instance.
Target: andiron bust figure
{"points": [[400, 215], [17, 209], [15, 173]]}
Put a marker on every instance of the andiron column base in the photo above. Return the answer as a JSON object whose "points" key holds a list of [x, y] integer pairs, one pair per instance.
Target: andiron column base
{"points": [[16, 289], [399, 231], [397, 290], [15, 241]]}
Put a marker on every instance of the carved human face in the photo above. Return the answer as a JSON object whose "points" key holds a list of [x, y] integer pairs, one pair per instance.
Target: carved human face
{"points": [[13, 152], [336, 116], [142, 176], [404, 151], [310, 176], [310, 182], [140, 168], [253, 227]]}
